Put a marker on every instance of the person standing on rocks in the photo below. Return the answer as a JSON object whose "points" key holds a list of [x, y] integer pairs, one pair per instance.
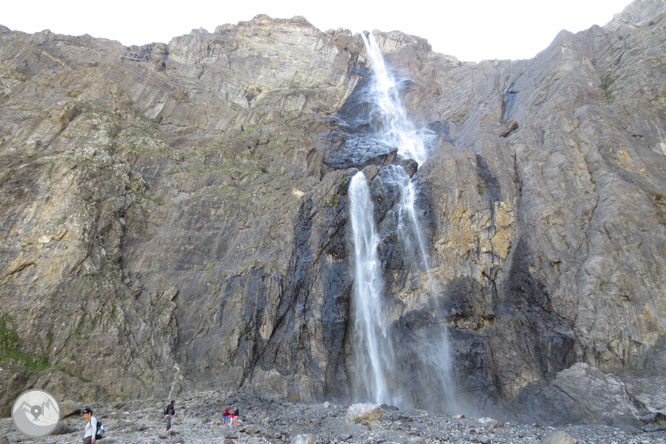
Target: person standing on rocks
{"points": [[91, 426], [234, 416], [169, 412], [226, 416]]}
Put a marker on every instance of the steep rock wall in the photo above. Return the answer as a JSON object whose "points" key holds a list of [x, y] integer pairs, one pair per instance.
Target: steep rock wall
{"points": [[175, 216]]}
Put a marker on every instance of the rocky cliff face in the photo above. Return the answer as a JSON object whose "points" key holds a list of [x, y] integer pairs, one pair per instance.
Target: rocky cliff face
{"points": [[175, 216]]}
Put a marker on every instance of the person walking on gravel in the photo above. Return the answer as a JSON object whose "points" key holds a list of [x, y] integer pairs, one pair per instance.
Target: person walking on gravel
{"points": [[91, 426], [169, 412]]}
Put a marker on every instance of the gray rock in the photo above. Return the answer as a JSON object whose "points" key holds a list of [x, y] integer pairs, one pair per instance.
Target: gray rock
{"points": [[505, 129], [63, 429], [653, 418], [586, 394], [155, 199], [559, 437], [304, 439], [250, 429], [365, 412], [69, 408]]}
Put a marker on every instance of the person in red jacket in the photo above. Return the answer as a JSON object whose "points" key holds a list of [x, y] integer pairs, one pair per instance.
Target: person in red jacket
{"points": [[226, 416]]}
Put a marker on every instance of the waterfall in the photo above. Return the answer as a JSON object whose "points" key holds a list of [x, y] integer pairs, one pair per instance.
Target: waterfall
{"points": [[375, 353], [398, 130], [380, 376]]}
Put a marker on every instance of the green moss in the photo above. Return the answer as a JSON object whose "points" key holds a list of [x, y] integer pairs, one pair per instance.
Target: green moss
{"points": [[155, 200], [69, 373], [10, 349], [9, 339], [334, 200], [77, 334], [606, 83]]}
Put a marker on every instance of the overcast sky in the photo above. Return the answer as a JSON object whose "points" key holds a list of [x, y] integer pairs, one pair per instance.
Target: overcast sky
{"points": [[470, 30]]}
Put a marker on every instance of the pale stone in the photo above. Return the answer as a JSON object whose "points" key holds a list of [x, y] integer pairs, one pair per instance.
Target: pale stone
{"points": [[365, 412], [304, 439], [559, 437]]}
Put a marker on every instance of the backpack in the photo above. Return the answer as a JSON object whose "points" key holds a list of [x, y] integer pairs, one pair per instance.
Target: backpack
{"points": [[168, 409], [100, 430]]}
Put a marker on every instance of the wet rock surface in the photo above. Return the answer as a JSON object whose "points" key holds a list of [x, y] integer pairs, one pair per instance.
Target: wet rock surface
{"points": [[264, 420]]}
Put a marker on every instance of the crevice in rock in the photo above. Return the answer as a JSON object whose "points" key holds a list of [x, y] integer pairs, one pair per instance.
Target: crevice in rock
{"points": [[490, 188], [508, 102]]}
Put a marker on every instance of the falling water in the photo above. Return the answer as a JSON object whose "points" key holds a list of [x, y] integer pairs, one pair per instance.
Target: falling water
{"points": [[371, 323], [375, 356], [398, 130]]}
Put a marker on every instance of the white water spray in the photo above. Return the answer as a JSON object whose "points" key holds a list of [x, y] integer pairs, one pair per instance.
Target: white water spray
{"points": [[376, 354], [378, 379], [398, 129]]}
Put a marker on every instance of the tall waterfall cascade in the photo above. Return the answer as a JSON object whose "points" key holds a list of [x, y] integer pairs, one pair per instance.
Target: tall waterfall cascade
{"points": [[386, 371]]}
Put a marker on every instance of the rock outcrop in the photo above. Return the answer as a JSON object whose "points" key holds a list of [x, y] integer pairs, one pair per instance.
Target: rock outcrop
{"points": [[175, 216]]}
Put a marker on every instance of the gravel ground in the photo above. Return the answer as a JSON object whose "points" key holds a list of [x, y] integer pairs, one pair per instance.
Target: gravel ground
{"points": [[198, 421]]}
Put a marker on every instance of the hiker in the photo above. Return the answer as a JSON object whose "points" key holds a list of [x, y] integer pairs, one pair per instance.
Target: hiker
{"points": [[91, 426], [234, 415], [169, 412], [226, 416]]}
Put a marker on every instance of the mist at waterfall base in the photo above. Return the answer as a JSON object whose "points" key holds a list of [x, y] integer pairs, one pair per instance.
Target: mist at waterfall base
{"points": [[393, 362]]}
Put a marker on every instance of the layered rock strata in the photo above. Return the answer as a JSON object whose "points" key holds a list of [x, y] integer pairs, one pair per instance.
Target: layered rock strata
{"points": [[175, 216]]}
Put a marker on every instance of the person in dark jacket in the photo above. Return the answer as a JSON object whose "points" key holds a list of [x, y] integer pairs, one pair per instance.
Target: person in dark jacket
{"points": [[234, 415], [169, 412]]}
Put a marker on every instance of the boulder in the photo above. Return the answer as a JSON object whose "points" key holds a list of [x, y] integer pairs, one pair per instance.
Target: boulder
{"points": [[490, 422], [410, 166], [653, 418], [365, 412], [505, 129], [304, 439], [250, 429], [559, 437], [69, 408], [605, 397]]}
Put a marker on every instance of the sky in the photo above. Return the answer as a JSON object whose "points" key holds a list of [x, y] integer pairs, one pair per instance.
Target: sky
{"points": [[470, 30]]}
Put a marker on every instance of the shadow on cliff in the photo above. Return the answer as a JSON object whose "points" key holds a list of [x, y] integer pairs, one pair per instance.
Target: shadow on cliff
{"points": [[278, 329], [508, 342]]}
